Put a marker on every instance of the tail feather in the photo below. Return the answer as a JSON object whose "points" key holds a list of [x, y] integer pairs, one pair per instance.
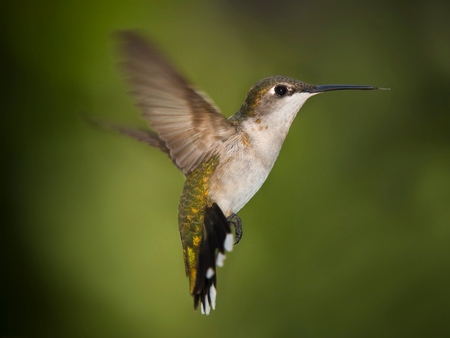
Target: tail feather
{"points": [[216, 238]]}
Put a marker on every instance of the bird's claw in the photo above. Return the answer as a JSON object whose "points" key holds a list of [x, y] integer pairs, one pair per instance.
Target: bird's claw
{"points": [[236, 222]]}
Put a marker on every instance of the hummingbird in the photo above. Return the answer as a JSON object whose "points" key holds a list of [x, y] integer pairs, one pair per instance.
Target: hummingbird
{"points": [[225, 160]]}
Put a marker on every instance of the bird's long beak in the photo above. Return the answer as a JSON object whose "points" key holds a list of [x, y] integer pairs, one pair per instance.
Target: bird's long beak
{"points": [[326, 88]]}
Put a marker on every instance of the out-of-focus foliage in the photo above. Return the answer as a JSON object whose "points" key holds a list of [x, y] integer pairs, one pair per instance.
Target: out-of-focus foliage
{"points": [[350, 235]]}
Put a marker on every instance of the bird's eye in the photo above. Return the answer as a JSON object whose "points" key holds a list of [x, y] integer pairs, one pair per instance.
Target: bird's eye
{"points": [[281, 90]]}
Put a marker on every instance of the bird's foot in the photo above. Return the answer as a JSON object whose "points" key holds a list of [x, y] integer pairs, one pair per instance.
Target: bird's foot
{"points": [[236, 222]]}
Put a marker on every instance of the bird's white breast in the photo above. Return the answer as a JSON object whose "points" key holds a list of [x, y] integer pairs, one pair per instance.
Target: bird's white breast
{"points": [[247, 158], [238, 177]]}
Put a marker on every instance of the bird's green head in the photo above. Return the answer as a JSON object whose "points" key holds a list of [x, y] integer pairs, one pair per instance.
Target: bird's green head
{"points": [[278, 94]]}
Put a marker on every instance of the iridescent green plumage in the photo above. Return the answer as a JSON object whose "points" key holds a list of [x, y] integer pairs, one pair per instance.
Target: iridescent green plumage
{"points": [[191, 215]]}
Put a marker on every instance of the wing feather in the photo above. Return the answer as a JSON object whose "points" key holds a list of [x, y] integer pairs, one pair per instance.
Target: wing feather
{"points": [[185, 119]]}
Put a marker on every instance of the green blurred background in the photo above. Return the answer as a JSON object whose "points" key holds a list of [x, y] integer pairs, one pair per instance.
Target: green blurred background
{"points": [[349, 236]]}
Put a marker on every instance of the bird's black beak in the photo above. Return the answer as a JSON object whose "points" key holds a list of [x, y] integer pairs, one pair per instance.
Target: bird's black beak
{"points": [[326, 88]]}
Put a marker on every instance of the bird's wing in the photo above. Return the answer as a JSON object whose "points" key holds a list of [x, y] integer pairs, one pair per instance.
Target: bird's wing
{"points": [[146, 136], [186, 120]]}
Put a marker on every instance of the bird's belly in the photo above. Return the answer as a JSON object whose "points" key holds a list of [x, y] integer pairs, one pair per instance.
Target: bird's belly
{"points": [[235, 182]]}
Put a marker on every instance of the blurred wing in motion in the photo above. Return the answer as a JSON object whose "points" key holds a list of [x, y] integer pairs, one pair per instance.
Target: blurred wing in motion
{"points": [[187, 122]]}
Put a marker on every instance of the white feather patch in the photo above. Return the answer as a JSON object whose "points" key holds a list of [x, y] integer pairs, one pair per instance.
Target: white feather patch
{"points": [[212, 294], [209, 273], [207, 307], [220, 258], [229, 243]]}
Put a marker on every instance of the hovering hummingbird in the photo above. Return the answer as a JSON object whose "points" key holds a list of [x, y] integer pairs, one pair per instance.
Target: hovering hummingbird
{"points": [[225, 161]]}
